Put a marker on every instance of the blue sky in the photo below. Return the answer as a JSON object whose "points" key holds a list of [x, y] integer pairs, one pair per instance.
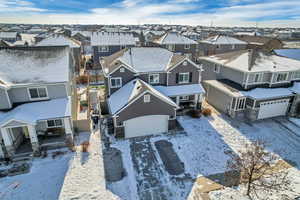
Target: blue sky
{"points": [[283, 13]]}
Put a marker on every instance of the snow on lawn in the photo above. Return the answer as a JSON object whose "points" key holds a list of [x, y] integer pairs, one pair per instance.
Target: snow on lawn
{"points": [[126, 188], [238, 193], [43, 182]]}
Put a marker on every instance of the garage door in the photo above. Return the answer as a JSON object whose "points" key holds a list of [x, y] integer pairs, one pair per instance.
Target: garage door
{"points": [[273, 108], [146, 125]]}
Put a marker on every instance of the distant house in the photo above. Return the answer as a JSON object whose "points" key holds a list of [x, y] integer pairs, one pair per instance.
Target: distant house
{"points": [[252, 84], [145, 88], [4, 43], [266, 43], [178, 44], [61, 40], [108, 43], [220, 44], [10, 36], [152, 35], [36, 106], [85, 39]]}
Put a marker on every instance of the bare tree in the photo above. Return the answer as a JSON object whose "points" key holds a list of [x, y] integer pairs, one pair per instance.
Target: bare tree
{"points": [[257, 171]]}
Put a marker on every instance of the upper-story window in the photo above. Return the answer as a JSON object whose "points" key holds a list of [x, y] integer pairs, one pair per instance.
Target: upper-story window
{"points": [[240, 104], [54, 123], [296, 75], [116, 82], [153, 78], [103, 49], [122, 69], [217, 68], [146, 98], [38, 93], [187, 46], [184, 77], [171, 47], [281, 77], [257, 77]]}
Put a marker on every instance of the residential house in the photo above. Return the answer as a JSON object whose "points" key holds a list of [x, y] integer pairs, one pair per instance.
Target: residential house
{"points": [[252, 84], [108, 43], [220, 44], [178, 44], [145, 88], [10, 36], [61, 40], [266, 43], [84, 37], [35, 104]]}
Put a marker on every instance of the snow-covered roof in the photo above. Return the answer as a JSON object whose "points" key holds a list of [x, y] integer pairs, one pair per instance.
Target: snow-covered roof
{"points": [[296, 87], [110, 39], [174, 38], [222, 39], [255, 61], [180, 90], [267, 93], [33, 112], [34, 65], [129, 92], [59, 40], [290, 53], [147, 59], [4, 35]]}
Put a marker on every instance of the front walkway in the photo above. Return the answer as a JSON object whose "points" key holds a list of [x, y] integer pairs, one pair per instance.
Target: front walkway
{"points": [[85, 178]]}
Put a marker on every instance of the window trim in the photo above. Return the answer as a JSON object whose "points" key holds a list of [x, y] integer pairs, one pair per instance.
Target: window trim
{"points": [[286, 79], [260, 75], [184, 73], [122, 70], [294, 75], [217, 68], [118, 86], [187, 46], [171, 45], [147, 98], [101, 50], [153, 79], [184, 98], [55, 125], [240, 100], [38, 98]]}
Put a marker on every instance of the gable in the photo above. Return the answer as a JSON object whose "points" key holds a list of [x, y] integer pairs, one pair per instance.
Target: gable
{"points": [[181, 67], [14, 123]]}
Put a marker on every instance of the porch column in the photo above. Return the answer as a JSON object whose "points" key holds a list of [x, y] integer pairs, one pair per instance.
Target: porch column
{"points": [[177, 100], [33, 139], [7, 141], [68, 129], [196, 99]]}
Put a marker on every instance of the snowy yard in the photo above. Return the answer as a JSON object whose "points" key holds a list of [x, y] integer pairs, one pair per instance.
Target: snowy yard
{"points": [[203, 150]]}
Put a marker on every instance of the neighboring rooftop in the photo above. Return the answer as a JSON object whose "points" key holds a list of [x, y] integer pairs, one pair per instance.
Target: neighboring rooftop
{"points": [[222, 39], [59, 40], [142, 59], [7, 35], [112, 38], [33, 65], [174, 38], [255, 61]]}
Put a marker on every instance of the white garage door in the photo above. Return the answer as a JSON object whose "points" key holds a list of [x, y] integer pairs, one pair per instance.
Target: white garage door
{"points": [[273, 108], [146, 125]]}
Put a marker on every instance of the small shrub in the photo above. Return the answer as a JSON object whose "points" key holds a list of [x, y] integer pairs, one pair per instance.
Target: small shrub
{"points": [[194, 113], [84, 146], [206, 112]]}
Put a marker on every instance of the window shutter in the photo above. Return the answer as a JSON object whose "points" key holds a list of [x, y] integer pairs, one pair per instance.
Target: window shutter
{"points": [[177, 77], [191, 76]]}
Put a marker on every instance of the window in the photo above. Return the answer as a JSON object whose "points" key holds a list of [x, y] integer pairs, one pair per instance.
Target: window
{"points": [[53, 123], [185, 63], [183, 77], [184, 98], [116, 82], [122, 69], [218, 46], [103, 48], [297, 75], [153, 78], [187, 46], [217, 68], [241, 102], [281, 77], [233, 46], [257, 78], [171, 47], [38, 93], [146, 98]]}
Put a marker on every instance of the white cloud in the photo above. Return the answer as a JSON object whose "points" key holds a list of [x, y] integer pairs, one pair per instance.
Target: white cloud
{"points": [[10, 6]]}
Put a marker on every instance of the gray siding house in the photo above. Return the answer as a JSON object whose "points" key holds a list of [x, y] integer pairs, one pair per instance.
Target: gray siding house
{"points": [[149, 84], [252, 84], [107, 43], [35, 102], [10, 37], [220, 44], [178, 44]]}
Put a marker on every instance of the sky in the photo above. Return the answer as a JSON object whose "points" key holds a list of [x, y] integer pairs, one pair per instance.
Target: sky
{"points": [[263, 13]]}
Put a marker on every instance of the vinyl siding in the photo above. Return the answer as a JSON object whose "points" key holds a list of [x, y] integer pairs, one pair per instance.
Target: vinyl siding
{"points": [[183, 69], [4, 101]]}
